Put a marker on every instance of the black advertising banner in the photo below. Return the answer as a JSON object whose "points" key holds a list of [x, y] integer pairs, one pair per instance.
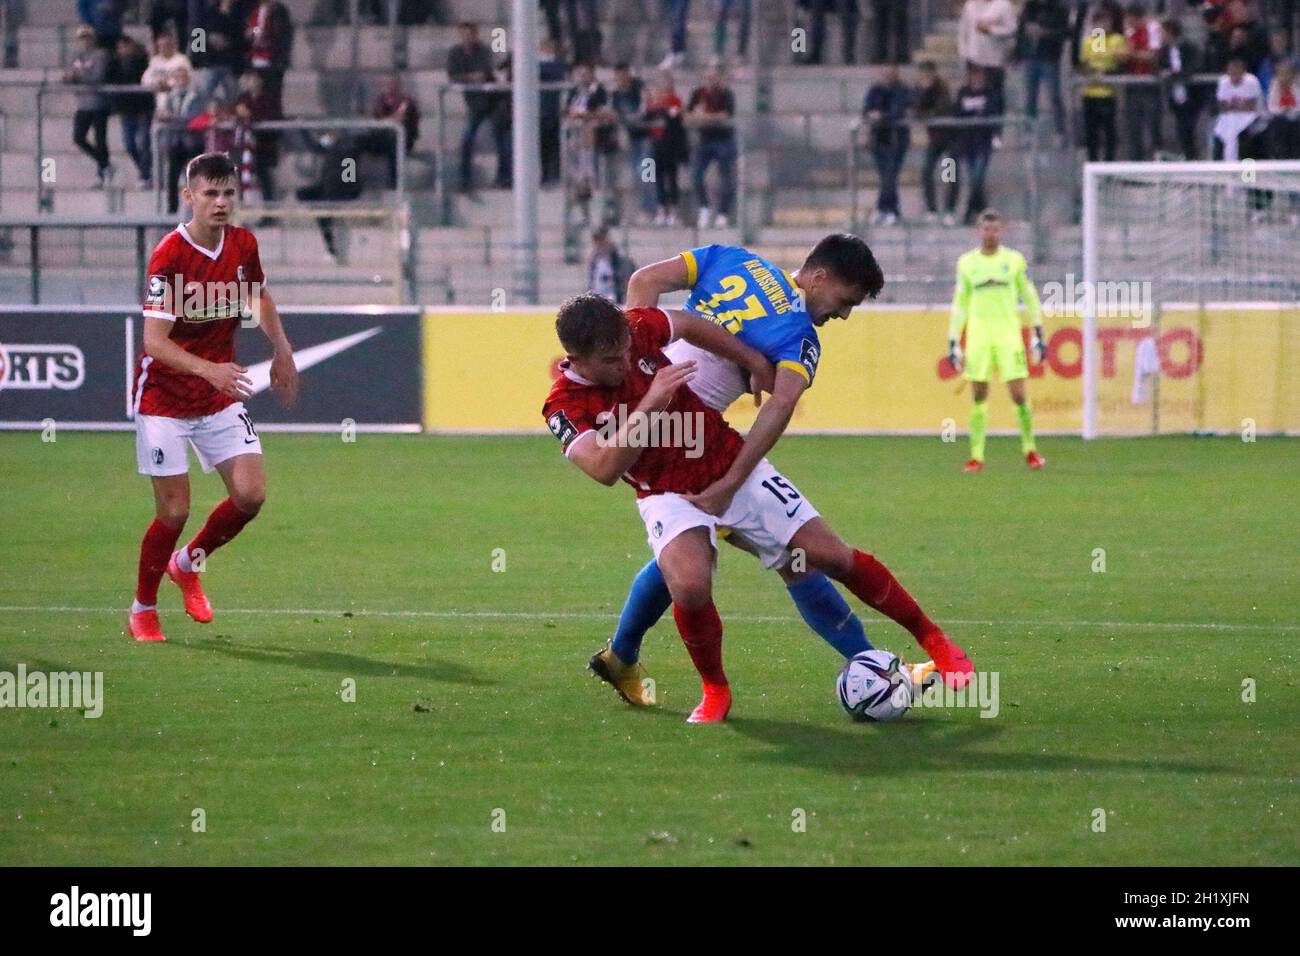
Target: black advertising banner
{"points": [[69, 366], [359, 366]]}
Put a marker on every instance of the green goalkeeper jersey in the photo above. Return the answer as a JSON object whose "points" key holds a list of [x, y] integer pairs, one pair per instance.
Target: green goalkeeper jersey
{"points": [[988, 291]]}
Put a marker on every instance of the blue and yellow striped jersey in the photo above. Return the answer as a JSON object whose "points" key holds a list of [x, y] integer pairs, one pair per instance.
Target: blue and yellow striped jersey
{"points": [[756, 301]]}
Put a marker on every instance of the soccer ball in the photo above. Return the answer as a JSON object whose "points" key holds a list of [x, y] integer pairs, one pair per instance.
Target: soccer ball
{"points": [[874, 685]]}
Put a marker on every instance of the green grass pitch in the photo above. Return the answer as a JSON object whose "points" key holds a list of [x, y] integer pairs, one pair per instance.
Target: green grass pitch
{"points": [[1119, 690]]}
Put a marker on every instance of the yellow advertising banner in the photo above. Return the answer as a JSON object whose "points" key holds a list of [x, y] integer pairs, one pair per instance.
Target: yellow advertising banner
{"points": [[885, 370]]}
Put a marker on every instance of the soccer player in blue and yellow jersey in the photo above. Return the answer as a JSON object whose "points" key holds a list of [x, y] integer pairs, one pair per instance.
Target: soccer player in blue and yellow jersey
{"points": [[778, 314]]}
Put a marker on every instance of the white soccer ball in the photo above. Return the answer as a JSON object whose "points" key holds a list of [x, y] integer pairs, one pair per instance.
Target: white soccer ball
{"points": [[875, 685]]}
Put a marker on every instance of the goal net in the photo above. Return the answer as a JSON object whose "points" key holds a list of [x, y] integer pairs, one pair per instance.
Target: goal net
{"points": [[1190, 298]]}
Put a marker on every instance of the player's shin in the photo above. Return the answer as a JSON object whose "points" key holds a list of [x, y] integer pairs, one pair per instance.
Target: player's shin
{"points": [[224, 523], [824, 610], [979, 416], [155, 552], [646, 603], [875, 586], [1026, 416], [701, 631]]}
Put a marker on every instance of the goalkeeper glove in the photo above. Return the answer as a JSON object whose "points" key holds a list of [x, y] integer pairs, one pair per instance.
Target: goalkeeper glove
{"points": [[1038, 348], [954, 355]]}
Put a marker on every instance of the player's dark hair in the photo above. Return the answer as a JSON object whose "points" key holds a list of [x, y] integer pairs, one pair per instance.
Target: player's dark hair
{"points": [[990, 215], [849, 259], [214, 167], [588, 323]]}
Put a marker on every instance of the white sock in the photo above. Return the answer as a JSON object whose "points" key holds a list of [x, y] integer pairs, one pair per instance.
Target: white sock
{"points": [[183, 560], [137, 607]]}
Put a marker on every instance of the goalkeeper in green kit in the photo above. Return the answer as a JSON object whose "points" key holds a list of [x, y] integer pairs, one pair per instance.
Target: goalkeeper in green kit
{"points": [[991, 281]]}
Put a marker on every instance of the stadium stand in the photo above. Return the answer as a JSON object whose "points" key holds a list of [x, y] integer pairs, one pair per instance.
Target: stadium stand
{"points": [[800, 173]]}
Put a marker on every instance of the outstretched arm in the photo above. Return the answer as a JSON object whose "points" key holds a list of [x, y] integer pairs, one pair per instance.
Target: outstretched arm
{"points": [[713, 338], [284, 373], [768, 427], [650, 282]]}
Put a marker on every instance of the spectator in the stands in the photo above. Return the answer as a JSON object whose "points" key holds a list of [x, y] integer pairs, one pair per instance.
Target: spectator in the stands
{"points": [[1279, 52], [1240, 119], [592, 138], [676, 12], [668, 144], [934, 101], [1101, 55], [104, 17], [470, 62], [726, 9], [889, 23], [392, 103], [268, 35], [1043, 31], [166, 60], [177, 108], [335, 148], [815, 12], [986, 35], [90, 67], [608, 270], [1179, 62], [1284, 112], [627, 98], [130, 60], [711, 110], [172, 16], [214, 124], [977, 99], [583, 21], [1141, 98], [219, 63], [551, 69], [885, 112], [256, 104]]}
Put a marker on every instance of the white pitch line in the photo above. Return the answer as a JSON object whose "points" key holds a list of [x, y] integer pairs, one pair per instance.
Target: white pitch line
{"points": [[594, 616]]}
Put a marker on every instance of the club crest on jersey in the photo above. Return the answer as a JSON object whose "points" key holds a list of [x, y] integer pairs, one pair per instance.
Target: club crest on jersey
{"points": [[809, 356], [647, 366]]}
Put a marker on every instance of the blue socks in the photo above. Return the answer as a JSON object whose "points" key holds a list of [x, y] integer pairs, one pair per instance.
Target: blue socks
{"points": [[821, 606], [646, 603], [824, 609]]}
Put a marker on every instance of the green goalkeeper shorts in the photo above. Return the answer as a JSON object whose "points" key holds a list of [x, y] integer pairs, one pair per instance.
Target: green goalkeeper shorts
{"points": [[1005, 355]]}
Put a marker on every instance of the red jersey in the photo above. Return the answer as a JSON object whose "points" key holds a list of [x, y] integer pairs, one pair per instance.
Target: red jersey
{"points": [[701, 445], [203, 293]]}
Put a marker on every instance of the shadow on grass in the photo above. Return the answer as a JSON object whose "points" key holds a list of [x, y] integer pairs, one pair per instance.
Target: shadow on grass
{"points": [[925, 747], [349, 665]]}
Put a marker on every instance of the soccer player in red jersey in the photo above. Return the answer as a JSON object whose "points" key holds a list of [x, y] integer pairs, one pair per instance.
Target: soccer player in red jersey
{"points": [[203, 279], [617, 398]]}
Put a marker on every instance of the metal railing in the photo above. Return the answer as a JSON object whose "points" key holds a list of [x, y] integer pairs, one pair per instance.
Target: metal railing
{"points": [[1028, 139]]}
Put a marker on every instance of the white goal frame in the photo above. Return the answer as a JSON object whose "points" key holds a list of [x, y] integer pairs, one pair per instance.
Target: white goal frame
{"points": [[1092, 175]]}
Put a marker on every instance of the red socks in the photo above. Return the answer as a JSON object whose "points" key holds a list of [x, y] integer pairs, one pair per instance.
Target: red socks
{"points": [[701, 631], [880, 590], [155, 551], [224, 523]]}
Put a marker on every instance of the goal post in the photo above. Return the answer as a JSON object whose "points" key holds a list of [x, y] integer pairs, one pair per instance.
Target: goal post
{"points": [[1190, 301]]}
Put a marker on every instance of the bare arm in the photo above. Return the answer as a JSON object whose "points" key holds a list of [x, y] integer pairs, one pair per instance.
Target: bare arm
{"points": [[768, 427], [650, 282], [606, 457], [284, 373], [713, 338]]}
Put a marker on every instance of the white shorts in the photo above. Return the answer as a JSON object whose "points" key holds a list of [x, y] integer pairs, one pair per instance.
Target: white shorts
{"points": [[765, 514], [160, 440]]}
